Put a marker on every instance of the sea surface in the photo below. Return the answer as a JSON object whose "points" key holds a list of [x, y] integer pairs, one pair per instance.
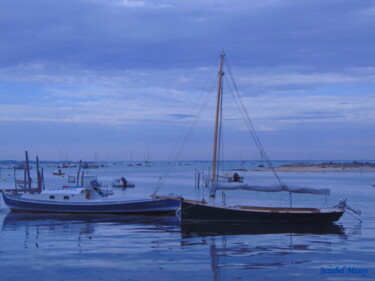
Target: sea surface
{"points": [[116, 247]]}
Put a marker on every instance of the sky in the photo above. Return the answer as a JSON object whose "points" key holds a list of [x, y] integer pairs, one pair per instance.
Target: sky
{"points": [[123, 79]]}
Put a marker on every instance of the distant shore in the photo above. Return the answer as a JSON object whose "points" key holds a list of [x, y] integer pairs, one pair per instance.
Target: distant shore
{"points": [[323, 167]]}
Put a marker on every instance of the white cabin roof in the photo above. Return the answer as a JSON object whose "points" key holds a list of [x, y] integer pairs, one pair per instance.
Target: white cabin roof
{"points": [[68, 190]]}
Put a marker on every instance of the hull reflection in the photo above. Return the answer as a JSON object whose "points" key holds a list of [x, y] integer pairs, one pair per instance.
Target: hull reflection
{"points": [[202, 229], [19, 220]]}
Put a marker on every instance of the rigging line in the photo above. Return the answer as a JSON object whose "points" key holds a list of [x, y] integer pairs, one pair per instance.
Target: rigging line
{"points": [[183, 141], [248, 125], [194, 123], [204, 105], [248, 121], [256, 138], [201, 96]]}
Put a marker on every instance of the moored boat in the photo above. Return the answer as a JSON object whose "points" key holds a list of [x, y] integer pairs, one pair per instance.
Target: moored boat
{"points": [[122, 182], [211, 211], [85, 200], [58, 173], [83, 194], [204, 211]]}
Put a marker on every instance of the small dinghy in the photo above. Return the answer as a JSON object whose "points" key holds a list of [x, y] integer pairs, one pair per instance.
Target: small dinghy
{"points": [[122, 182]]}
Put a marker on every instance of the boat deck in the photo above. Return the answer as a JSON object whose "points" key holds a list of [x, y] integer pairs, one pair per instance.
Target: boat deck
{"points": [[258, 209]]}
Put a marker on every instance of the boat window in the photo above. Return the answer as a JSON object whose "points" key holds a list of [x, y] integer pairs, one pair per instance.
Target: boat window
{"points": [[52, 197], [71, 179], [66, 197]]}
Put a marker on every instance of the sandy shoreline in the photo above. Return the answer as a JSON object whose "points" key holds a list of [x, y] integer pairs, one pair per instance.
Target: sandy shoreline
{"points": [[316, 169], [323, 167]]}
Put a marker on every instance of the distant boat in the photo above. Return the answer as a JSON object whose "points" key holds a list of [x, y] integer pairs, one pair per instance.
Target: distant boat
{"points": [[90, 165], [58, 173], [203, 210], [20, 166], [122, 182], [373, 184], [66, 165], [20, 183], [232, 177]]}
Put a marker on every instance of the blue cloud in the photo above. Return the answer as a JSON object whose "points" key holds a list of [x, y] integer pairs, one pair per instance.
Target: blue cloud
{"points": [[142, 64]]}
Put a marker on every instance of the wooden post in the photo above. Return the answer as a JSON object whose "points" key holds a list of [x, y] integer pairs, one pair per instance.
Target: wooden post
{"points": [[42, 179], [24, 177], [79, 170], [15, 179], [38, 175], [28, 170]]}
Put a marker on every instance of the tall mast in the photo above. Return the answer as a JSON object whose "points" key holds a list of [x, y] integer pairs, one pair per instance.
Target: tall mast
{"points": [[217, 117]]}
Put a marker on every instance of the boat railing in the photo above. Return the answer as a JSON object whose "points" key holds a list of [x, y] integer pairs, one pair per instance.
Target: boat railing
{"points": [[105, 189]]}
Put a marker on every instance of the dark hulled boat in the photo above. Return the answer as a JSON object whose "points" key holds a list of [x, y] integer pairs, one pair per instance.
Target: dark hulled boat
{"points": [[201, 210]]}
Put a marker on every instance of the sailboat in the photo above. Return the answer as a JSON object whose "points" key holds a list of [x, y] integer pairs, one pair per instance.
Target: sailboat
{"points": [[203, 210]]}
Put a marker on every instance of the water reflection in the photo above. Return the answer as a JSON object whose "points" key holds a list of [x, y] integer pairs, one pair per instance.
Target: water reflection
{"points": [[235, 248], [84, 223], [70, 229], [149, 243], [189, 229]]}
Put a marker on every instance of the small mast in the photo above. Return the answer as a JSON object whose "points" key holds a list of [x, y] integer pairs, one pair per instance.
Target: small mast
{"points": [[217, 117]]}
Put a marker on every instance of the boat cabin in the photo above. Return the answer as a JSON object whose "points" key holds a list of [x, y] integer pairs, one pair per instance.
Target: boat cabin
{"points": [[84, 180], [68, 194]]}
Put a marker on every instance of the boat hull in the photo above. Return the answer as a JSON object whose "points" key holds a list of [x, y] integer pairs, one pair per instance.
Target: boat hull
{"points": [[200, 211], [144, 206]]}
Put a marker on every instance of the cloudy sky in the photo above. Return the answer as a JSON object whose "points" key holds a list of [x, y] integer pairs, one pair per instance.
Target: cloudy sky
{"points": [[122, 78]]}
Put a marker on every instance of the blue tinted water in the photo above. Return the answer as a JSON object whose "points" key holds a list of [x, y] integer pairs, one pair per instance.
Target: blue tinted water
{"points": [[102, 247]]}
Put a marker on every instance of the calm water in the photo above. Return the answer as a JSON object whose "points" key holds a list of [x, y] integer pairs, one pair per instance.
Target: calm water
{"points": [[97, 247]]}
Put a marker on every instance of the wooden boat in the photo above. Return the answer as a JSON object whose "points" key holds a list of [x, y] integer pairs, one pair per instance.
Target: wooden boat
{"points": [[203, 210]]}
